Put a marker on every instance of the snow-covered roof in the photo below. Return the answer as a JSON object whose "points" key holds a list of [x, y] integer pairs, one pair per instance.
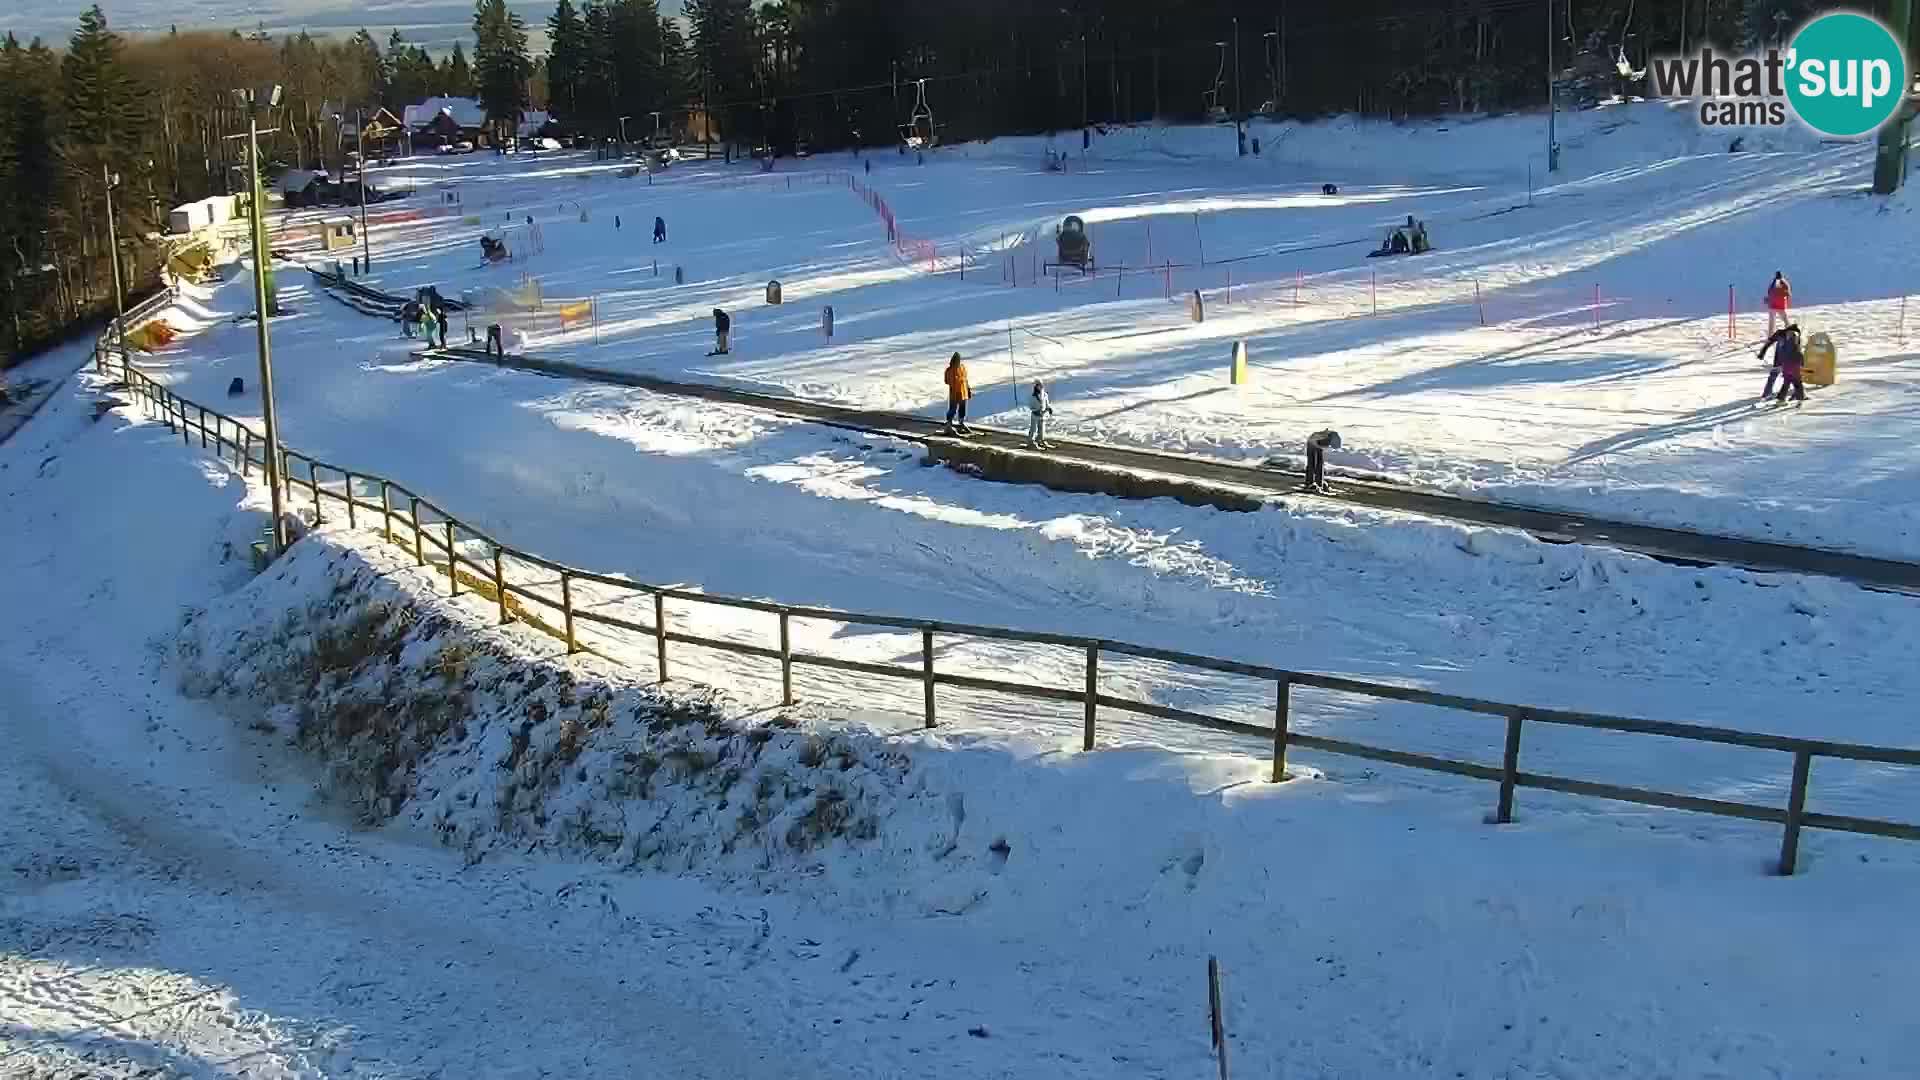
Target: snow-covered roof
{"points": [[466, 112]]}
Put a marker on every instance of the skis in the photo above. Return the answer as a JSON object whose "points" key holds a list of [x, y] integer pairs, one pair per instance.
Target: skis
{"points": [[960, 432]]}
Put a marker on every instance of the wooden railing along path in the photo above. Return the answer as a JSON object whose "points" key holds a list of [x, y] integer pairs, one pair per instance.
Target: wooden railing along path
{"points": [[437, 538]]}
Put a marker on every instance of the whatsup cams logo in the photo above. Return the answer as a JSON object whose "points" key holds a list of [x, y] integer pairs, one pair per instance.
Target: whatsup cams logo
{"points": [[1842, 74]]}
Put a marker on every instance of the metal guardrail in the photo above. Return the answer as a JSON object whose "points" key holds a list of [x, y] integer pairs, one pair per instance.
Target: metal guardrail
{"points": [[438, 540]]}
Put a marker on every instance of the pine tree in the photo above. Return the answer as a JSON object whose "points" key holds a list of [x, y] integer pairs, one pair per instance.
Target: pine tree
{"points": [[458, 76], [566, 58], [370, 70], [501, 63], [103, 109]]}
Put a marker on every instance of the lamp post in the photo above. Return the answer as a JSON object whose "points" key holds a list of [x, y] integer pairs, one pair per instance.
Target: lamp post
{"points": [[360, 140], [1553, 104], [1239, 112], [623, 135], [112, 180], [1273, 72], [250, 100]]}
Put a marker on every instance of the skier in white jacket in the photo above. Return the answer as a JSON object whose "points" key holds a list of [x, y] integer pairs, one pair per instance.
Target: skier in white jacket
{"points": [[1042, 407]]}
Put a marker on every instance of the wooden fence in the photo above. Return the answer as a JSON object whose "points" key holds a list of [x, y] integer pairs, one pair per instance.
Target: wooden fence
{"points": [[471, 558]]}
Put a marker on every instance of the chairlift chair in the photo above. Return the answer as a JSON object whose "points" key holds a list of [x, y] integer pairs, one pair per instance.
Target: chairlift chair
{"points": [[918, 132], [1216, 112]]}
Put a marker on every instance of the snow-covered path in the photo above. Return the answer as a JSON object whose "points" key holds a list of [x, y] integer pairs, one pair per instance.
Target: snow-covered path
{"points": [[176, 902]]}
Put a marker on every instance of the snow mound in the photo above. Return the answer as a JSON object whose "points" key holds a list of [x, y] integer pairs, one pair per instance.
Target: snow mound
{"points": [[426, 716]]}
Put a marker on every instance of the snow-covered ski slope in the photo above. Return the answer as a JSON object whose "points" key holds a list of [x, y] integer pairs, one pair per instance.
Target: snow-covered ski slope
{"points": [[179, 902], [737, 502], [1566, 349]]}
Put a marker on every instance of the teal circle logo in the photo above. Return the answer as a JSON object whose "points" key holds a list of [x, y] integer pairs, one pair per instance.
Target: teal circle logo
{"points": [[1846, 74]]}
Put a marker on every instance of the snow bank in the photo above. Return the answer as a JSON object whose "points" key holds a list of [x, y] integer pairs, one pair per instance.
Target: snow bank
{"points": [[423, 712]]}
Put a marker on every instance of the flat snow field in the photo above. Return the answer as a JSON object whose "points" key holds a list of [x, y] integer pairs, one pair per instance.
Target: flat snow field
{"points": [[179, 903], [1567, 346]]}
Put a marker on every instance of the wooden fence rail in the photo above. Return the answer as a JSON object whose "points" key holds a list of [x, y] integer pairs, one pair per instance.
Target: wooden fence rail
{"points": [[444, 551]]}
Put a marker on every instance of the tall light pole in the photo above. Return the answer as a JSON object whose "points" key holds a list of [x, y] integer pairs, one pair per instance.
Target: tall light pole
{"points": [[1273, 72], [249, 100], [623, 135], [112, 180], [656, 130], [1553, 103], [1086, 137], [1239, 111], [360, 140]]}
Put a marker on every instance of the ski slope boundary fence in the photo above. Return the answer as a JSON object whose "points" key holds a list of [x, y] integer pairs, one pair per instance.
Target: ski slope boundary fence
{"points": [[567, 602]]}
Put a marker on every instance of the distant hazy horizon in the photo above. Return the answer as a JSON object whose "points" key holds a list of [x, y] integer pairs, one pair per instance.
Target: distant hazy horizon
{"points": [[434, 26]]}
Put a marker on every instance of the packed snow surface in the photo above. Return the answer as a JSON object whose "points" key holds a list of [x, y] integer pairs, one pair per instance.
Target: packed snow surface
{"points": [[218, 866]]}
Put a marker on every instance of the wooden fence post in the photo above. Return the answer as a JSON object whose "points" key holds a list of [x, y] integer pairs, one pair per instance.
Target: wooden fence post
{"points": [[1216, 1016], [419, 553], [1282, 705], [786, 663], [353, 521], [313, 481], [926, 670], [166, 408], [203, 427], [246, 453], [1093, 694], [499, 585], [566, 609], [453, 563], [660, 633], [1509, 770], [386, 510], [186, 429], [1796, 807]]}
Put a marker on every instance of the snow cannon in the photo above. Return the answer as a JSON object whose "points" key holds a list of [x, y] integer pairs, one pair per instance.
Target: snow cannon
{"points": [[1073, 247]]}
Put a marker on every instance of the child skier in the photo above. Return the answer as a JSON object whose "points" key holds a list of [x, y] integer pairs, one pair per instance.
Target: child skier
{"points": [[1318, 444], [722, 327], [1779, 295], [1042, 407], [957, 394], [1787, 358]]}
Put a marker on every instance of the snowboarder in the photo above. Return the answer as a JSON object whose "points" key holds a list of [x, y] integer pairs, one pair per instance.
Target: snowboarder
{"points": [[1779, 294], [1787, 358], [957, 394], [1041, 407], [722, 327], [659, 230], [440, 318], [616, 223], [1318, 444]]}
